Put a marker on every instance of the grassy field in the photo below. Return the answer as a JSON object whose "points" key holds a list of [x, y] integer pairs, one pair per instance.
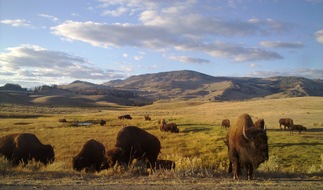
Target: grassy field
{"points": [[198, 149]]}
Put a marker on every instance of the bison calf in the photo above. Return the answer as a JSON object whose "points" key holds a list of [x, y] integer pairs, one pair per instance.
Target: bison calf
{"points": [[299, 128], [92, 155], [24, 147]]}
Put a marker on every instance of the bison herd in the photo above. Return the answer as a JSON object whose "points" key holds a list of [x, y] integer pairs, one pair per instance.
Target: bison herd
{"points": [[246, 141]]}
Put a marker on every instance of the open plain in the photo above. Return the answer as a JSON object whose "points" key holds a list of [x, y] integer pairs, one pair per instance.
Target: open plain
{"points": [[295, 159]]}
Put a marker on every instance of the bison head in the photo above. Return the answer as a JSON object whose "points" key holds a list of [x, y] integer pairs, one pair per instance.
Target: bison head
{"points": [[256, 142], [113, 156], [79, 162], [47, 155]]}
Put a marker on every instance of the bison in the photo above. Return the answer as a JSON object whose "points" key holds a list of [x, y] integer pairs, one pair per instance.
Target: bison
{"points": [[147, 118], [225, 123], [92, 155], [62, 120], [24, 147], [164, 165], [260, 123], [127, 116], [247, 146], [299, 128], [103, 122], [171, 127], [134, 143], [286, 122]]}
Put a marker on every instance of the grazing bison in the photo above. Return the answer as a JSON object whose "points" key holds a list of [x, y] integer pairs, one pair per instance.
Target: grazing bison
{"points": [[168, 127], [147, 118], [134, 143], [102, 122], [125, 117], [62, 120], [286, 122], [225, 123], [24, 147], [247, 146], [92, 155], [260, 123], [299, 128]]}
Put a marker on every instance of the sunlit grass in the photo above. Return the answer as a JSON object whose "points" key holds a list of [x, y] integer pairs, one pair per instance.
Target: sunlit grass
{"points": [[198, 149]]}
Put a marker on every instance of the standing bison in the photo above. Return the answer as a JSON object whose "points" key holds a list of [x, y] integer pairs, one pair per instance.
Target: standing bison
{"points": [[24, 147], [134, 143], [247, 146], [286, 122], [260, 123], [92, 155], [225, 123]]}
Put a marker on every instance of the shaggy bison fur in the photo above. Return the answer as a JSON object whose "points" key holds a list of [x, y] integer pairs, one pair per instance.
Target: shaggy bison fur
{"points": [[134, 143], [24, 147], [247, 146], [92, 155]]}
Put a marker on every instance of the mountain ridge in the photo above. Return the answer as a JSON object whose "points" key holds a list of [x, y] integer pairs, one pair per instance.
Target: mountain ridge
{"points": [[173, 85]]}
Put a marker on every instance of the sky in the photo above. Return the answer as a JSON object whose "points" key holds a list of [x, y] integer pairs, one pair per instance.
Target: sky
{"points": [[57, 42]]}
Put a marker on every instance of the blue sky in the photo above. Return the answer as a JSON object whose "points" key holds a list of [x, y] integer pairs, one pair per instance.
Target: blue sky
{"points": [[57, 42]]}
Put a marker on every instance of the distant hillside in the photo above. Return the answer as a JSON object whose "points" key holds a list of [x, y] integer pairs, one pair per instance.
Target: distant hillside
{"points": [[194, 85], [177, 85]]}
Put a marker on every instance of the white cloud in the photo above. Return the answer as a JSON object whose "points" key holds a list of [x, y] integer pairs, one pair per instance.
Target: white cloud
{"points": [[185, 59], [158, 38], [34, 62], [117, 12], [138, 57], [17, 22], [319, 36], [50, 17], [279, 44]]}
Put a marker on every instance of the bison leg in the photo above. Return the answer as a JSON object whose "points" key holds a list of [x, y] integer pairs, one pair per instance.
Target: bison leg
{"points": [[230, 167], [249, 171]]}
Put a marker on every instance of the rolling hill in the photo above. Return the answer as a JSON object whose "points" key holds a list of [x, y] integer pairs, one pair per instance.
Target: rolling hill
{"points": [[194, 85], [175, 85]]}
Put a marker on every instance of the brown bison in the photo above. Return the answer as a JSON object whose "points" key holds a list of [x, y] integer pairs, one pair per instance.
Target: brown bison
{"points": [[164, 165], [102, 122], [92, 155], [260, 123], [134, 143], [168, 127], [286, 122], [299, 128], [127, 116], [147, 118], [62, 120], [225, 123], [247, 146], [24, 147]]}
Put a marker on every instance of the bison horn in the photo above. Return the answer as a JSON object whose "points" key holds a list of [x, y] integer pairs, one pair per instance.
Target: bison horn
{"points": [[244, 133]]}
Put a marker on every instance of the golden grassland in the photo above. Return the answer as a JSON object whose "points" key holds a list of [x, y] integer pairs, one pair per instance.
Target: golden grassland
{"points": [[198, 149]]}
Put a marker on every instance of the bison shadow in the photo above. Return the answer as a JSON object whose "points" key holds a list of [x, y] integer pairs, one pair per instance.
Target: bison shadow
{"points": [[320, 130], [191, 128]]}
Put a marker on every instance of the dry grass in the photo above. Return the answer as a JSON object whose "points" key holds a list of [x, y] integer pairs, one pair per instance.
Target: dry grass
{"points": [[198, 150]]}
